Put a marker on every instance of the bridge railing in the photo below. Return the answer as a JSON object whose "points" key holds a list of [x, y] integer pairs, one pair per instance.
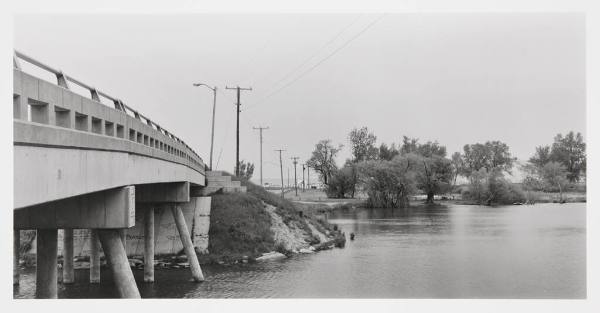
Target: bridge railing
{"points": [[38, 101]]}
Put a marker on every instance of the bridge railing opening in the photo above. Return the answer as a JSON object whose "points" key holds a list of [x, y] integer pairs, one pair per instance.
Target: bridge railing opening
{"points": [[35, 100]]}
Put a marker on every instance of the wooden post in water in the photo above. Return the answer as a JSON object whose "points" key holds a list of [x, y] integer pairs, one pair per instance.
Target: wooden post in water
{"points": [[16, 254], [119, 265], [94, 257], [186, 240], [46, 269], [149, 245], [68, 271]]}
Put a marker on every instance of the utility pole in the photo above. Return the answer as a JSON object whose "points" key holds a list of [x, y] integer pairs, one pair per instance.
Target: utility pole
{"points": [[295, 179], [212, 133], [303, 181], [308, 173], [237, 136], [281, 168], [261, 142], [288, 185]]}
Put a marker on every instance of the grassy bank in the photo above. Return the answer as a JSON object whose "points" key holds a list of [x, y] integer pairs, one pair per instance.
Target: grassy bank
{"points": [[241, 226]]}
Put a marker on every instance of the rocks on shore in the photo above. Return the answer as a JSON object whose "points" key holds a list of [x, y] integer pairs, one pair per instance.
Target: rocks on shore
{"points": [[270, 256]]}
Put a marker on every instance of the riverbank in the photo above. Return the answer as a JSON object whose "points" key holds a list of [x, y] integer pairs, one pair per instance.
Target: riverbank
{"points": [[316, 201], [259, 225]]}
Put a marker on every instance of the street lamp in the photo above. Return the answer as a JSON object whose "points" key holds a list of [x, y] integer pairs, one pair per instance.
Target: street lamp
{"points": [[212, 134]]}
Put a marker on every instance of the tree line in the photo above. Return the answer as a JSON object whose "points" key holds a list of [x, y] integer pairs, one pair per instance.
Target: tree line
{"points": [[390, 174]]}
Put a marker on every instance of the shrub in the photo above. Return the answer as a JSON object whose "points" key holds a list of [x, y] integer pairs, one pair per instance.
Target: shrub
{"points": [[388, 183], [492, 188], [342, 182]]}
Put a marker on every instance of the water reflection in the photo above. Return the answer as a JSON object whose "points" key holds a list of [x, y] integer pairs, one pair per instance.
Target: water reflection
{"points": [[422, 252]]}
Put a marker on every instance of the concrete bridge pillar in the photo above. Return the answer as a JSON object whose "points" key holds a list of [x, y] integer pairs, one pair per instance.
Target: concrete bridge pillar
{"points": [[46, 269], [68, 270], [149, 245], [117, 260], [188, 246], [16, 250], [94, 257], [123, 235]]}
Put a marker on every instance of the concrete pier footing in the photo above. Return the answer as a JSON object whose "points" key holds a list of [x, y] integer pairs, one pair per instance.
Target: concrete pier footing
{"points": [[119, 265], [149, 245], [46, 269], [68, 270], [188, 246], [94, 257], [16, 250]]}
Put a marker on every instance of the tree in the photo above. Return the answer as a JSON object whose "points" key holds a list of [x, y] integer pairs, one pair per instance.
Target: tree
{"points": [[458, 166], [362, 143], [434, 175], [484, 164], [431, 149], [569, 150], [541, 156], [409, 145], [555, 175], [323, 159], [386, 153], [492, 188], [433, 170], [491, 156], [342, 182], [388, 183], [246, 170]]}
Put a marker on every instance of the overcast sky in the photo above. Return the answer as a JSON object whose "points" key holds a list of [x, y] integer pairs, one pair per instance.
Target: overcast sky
{"points": [[454, 78]]}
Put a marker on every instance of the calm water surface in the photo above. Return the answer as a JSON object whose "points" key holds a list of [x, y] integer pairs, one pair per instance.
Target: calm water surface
{"points": [[440, 252]]}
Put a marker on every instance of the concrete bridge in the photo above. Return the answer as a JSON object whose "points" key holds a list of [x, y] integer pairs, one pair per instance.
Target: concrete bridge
{"points": [[80, 164]]}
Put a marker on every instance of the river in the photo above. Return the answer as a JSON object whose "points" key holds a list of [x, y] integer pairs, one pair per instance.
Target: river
{"points": [[455, 251]]}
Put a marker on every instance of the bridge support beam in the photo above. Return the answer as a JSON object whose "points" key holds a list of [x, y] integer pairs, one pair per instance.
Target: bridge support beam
{"points": [[149, 245], [94, 257], [46, 269], [117, 260], [68, 270], [188, 246], [16, 250]]}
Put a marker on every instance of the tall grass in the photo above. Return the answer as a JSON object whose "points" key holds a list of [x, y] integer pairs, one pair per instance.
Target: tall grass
{"points": [[239, 226]]}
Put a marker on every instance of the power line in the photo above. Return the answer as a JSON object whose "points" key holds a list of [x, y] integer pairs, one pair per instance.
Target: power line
{"points": [[317, 51], [318, 63]]}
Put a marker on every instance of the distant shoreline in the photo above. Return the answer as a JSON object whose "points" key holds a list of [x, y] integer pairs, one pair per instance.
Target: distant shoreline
{"points": [[312, 202]]}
